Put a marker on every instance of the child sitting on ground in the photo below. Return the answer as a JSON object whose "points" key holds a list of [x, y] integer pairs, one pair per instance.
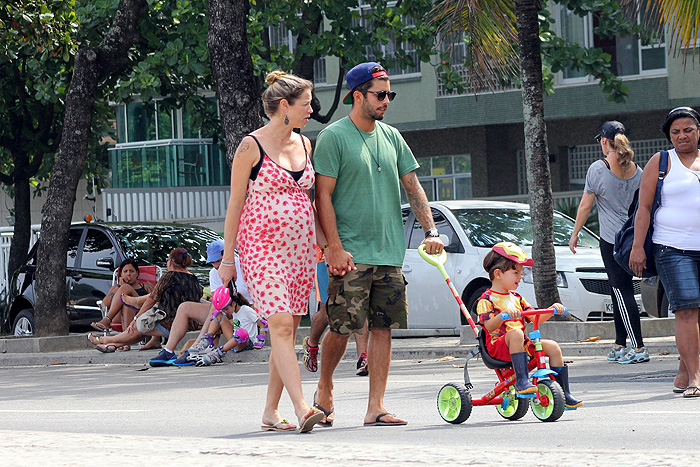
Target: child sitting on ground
{"points": [[499, 310], [238, 323]]}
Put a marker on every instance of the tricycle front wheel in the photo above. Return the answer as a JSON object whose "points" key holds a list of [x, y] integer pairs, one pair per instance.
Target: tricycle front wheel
{"points": [[549, 403]]}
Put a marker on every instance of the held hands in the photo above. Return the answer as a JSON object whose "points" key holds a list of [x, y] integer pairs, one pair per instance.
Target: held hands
{"points": [[638, 260], [339, 261]]}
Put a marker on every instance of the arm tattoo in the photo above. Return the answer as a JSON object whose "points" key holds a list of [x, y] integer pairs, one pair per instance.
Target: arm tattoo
{"points": [[419, 202], [243, 147]]}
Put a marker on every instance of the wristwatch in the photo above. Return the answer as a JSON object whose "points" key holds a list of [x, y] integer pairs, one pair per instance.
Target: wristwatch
{"points": [[432, 233]]}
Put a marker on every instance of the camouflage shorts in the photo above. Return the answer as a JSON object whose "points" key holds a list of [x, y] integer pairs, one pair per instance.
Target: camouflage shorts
{"points": [[376, 294]]}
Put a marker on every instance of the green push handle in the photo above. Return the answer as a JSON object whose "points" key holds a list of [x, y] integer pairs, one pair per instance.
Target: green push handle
{"points": [[435, 260]]}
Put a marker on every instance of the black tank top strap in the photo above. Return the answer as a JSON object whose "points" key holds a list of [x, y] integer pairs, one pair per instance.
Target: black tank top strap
{"points": [[256, 168], [306, 151]]}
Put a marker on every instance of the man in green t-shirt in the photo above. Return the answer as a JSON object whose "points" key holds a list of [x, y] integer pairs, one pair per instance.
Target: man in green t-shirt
{"points": [[360, 165]]}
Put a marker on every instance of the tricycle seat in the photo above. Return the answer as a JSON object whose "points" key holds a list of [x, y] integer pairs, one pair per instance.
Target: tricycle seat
{"points": [[489, 361]]}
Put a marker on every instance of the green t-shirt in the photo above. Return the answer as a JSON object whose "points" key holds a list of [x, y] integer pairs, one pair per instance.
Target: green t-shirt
{"points": [[367, 202]]}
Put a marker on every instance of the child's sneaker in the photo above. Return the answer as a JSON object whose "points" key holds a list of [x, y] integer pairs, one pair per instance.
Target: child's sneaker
{"points": [[362, 369], [164, 358], [215, 356], [310, 357], [635, 356], [616, 353]]}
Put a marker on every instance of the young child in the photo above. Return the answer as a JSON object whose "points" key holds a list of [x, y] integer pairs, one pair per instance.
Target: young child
{"points": [[507, 339], [237, 321]]}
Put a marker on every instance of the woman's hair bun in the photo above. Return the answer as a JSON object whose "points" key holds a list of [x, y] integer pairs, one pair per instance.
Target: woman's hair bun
{"points": [[273, 76]]}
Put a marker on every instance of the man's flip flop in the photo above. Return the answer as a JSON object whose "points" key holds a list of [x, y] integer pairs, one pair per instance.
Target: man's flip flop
{"points": [[378, 421], [109, 348], [282, 425], [691, 391], [327, 413]]}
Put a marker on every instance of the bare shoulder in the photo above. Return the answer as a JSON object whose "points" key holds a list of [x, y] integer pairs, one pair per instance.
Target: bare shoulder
{"points": [[247, 150]]}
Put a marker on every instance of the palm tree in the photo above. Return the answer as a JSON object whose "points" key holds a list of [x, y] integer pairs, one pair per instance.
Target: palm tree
{"points": [[504, 36]]}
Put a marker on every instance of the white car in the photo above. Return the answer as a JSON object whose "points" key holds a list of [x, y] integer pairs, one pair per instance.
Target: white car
{"points": [[472, 227]]}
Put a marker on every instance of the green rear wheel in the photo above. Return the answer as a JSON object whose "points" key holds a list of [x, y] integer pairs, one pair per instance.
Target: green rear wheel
{"points": [[548, 405], [515, 408], [454, 403]]}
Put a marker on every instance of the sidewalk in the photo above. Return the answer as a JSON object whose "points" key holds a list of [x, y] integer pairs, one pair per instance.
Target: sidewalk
{"points": [[76, 350]]}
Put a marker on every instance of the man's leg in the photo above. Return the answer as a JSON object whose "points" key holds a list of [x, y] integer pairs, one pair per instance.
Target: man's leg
{"points": [[379, 360], [388, 308], [334, 346]]}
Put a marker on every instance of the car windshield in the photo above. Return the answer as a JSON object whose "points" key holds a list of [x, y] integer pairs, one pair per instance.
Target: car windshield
{"points": [[152, 244], [486, 227]]}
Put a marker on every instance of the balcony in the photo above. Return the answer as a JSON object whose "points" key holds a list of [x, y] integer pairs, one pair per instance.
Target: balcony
{"points": [[168, 163]]}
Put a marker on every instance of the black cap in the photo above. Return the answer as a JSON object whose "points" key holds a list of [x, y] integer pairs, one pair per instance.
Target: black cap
{"points": [[609, 129], [675, 114]]}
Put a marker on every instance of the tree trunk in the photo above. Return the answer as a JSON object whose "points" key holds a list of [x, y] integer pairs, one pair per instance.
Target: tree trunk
{"points": [[92, 65], [536, 153], [21, 236], [238, 90]]}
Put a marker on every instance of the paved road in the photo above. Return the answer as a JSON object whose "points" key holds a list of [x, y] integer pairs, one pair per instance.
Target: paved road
{"points": [[79, 415]]}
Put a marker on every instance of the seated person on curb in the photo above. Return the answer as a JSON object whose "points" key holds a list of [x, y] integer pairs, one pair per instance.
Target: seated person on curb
{"points": [[319, 323], [499, 310], [128, 285], [239, 324]]}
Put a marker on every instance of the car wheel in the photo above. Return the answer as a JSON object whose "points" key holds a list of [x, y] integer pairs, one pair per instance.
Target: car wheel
{"points": [[24, 323], [663, 308], [471, 304]]}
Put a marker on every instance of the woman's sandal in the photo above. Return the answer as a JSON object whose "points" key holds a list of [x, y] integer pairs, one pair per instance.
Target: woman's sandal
{"points": [[100, 326], [121, 299], [282, 425], [691, 391], [312, 417], [106, 348]]}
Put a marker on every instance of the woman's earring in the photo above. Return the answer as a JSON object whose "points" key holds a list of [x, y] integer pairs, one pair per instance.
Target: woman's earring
{"points": [[286, 120]]}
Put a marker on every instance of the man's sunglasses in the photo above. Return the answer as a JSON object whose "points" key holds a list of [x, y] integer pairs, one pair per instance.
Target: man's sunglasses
{"points": [[381, 95]]}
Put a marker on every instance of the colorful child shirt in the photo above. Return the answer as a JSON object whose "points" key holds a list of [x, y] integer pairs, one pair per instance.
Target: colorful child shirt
{"points": [[492, 303]]}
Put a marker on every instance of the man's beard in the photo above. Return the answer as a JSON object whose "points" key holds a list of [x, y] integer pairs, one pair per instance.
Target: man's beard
{"points": [[372, 113]]}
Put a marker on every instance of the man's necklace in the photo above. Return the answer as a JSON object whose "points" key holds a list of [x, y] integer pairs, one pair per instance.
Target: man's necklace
{"points": [[364, 143]]}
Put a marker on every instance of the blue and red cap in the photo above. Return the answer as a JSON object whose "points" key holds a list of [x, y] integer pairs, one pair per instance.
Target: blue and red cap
{"points": [[360, 74]]}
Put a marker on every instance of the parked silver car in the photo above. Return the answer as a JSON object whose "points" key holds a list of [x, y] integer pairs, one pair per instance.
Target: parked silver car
{"points": [[472, 227]]}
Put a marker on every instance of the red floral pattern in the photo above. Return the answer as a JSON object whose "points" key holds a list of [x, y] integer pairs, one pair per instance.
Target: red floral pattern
{"points": [[275, 240]]}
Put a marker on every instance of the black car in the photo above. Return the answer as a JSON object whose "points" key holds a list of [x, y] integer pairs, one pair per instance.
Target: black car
{"points": [[95, 250]]}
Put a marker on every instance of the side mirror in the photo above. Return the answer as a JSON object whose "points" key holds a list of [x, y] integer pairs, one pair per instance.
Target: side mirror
{"points": [[107, 263]]}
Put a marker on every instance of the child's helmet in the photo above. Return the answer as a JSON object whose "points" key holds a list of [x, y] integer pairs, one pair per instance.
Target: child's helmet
{"points": [[513, 252], [221, 298]]}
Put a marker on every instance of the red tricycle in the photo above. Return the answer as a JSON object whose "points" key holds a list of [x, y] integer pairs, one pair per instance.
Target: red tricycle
{"points": [[455, 401]]}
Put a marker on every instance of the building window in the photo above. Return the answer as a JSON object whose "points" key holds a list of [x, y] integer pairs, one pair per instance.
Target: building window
{"points": [[388, 50], [143, 121], [629, 55], [281, 38], [445, 177], [457, 47]]}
